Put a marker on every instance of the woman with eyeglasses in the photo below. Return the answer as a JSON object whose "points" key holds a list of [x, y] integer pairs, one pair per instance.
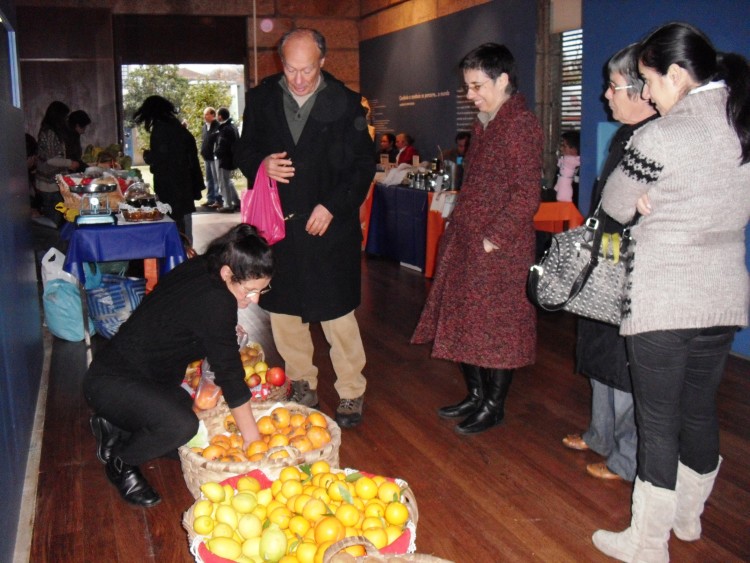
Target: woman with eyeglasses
{"points": [[477, 313], [134, 383], [688, 174]]}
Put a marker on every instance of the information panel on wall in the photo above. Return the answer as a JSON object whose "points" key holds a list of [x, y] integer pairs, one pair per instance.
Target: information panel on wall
{"points": [[411, 77]]}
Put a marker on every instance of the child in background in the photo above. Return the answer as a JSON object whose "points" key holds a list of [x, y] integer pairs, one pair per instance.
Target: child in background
{"points": [[568, 165]]}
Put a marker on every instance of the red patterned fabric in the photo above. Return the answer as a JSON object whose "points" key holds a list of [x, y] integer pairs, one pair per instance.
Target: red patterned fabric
{"points": [[477, 311]]}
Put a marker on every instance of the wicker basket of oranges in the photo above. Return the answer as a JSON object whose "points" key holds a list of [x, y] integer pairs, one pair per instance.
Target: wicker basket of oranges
{"points": [[318, 510], [292, 434]]}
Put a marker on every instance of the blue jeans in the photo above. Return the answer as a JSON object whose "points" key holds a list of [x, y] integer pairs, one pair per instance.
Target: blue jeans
{"points": [[226, 186], [612, 432], [212, 195], [676, 374]]}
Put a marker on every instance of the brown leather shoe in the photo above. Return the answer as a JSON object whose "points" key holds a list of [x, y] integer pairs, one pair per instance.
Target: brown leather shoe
{"points": [[601, 471], [575, 442]]}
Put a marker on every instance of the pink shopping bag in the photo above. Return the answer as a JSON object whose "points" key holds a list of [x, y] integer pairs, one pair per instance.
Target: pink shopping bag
{"points": [[261, 208]]}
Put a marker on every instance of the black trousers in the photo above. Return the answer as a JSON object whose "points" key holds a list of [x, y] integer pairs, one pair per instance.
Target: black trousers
{"points": [[676, 374], [156, 418]]}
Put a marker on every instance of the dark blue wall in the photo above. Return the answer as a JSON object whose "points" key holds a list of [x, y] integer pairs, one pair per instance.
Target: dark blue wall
{"points": [[421, 63], [609, 25], [20, 327]]}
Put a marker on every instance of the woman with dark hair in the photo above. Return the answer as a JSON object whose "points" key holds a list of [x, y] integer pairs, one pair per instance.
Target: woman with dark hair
{"points": [[477, 313], [134, 383], [77, 122], [52, 159], [173, 157], [687, 291]]}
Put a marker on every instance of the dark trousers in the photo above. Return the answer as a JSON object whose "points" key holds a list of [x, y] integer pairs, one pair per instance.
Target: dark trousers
{"points": [[676, 374], [156, 418]]}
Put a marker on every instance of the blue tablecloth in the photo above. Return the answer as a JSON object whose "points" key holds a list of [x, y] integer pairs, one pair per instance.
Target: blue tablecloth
{"points": [[125, 241], [398, 224]]}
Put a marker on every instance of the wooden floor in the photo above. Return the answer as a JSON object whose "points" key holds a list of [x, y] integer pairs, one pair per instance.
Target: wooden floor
{"points": [[510, 494]]}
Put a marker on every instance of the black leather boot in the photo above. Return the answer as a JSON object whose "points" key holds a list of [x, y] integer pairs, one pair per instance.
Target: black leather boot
{"points": [[473, 377], [492, 411], [131, 485], [107, 435]]}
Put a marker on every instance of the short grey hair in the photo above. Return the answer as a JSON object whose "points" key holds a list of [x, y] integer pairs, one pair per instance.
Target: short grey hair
{"points": [[625, 63], [314, 34]]}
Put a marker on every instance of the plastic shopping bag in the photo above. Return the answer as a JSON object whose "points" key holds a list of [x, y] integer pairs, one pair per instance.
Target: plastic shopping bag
{"points": [[61, 300], [261, 208], [114, 301]]}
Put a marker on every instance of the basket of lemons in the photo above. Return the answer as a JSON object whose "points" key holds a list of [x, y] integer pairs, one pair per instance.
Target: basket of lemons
{"points": [[307, 511]]}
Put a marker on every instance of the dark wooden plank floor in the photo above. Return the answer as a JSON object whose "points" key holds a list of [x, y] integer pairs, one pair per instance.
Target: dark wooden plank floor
{"points": [[511, 494]]}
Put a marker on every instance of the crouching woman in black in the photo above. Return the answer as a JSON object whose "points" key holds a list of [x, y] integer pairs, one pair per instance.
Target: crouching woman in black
{"points": [[134, 383]]}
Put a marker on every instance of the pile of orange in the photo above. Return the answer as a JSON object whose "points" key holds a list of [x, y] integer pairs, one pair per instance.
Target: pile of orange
{"points": [[315, 507], [281, 427]]}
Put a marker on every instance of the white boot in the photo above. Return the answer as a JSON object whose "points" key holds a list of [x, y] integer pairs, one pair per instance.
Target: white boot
{"points": [[647, 538], [692, 491]]}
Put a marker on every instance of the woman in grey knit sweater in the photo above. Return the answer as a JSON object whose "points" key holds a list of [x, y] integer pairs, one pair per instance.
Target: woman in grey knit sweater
{"points": [[688, 290]]}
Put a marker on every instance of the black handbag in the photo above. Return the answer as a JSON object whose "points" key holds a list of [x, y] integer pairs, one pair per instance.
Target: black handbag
{"points": [[583, 272]]}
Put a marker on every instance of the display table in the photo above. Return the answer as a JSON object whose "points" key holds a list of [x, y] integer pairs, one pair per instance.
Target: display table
{"points": [[398, 224], [124, 241], [557, 216]]}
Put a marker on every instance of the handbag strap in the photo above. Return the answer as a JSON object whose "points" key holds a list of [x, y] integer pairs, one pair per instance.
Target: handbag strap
{"points": [[594, 224]]}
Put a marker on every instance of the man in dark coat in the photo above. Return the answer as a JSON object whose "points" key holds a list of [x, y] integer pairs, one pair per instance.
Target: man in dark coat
{"points": [[208, 142], [600, 348], [226, 138], [310, 133]]}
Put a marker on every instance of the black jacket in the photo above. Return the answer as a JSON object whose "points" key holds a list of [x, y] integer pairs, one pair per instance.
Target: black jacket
{"points": [[226, 137], [208, 139]]}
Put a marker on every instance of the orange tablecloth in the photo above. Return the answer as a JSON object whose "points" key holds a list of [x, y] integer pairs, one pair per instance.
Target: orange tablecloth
{"points": [[435, 228], [557, 216], [364, 215]]}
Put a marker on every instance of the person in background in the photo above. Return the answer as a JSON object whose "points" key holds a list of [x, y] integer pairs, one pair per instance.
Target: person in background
{"points": [[477, 313], [133, 385], [319, 151], [567, 166], [388, 146], [52, 159], [173, 158], [77, 122], [226, 137], [458, 153], [600, 350], [406, 150], [208, 143], [688, 288]]}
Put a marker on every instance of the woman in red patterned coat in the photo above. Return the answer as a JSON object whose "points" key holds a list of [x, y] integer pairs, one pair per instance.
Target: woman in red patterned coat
{"points": [[477, 312]]}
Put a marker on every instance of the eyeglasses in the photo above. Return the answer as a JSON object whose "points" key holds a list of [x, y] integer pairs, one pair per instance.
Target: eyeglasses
{"points": [[476, 86], [614, 87], [253, 292]]}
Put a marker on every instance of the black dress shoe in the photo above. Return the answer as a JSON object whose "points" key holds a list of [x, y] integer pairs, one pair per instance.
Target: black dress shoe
{"points": [[131, 485], [106, 436]]}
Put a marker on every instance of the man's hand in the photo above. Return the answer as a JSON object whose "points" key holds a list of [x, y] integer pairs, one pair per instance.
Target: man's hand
{"points": [[319, 220], [279, 167]]}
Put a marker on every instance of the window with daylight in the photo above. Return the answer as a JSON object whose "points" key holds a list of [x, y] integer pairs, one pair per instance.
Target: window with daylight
{"points": [[570, 83]]}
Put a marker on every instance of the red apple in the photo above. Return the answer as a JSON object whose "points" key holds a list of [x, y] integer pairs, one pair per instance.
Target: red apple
{"points": [[276, 376], [253, 380]]}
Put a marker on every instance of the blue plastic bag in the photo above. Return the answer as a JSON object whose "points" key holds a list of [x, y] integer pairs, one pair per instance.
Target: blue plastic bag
{"points": [[63, 312]]}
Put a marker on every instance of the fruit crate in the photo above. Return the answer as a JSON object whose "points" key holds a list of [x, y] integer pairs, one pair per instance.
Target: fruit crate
{"points": [[198, 470], [403, 546]]}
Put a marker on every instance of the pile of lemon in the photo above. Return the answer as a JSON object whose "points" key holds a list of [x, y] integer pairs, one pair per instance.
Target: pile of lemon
{"points": [[305, 511]]}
